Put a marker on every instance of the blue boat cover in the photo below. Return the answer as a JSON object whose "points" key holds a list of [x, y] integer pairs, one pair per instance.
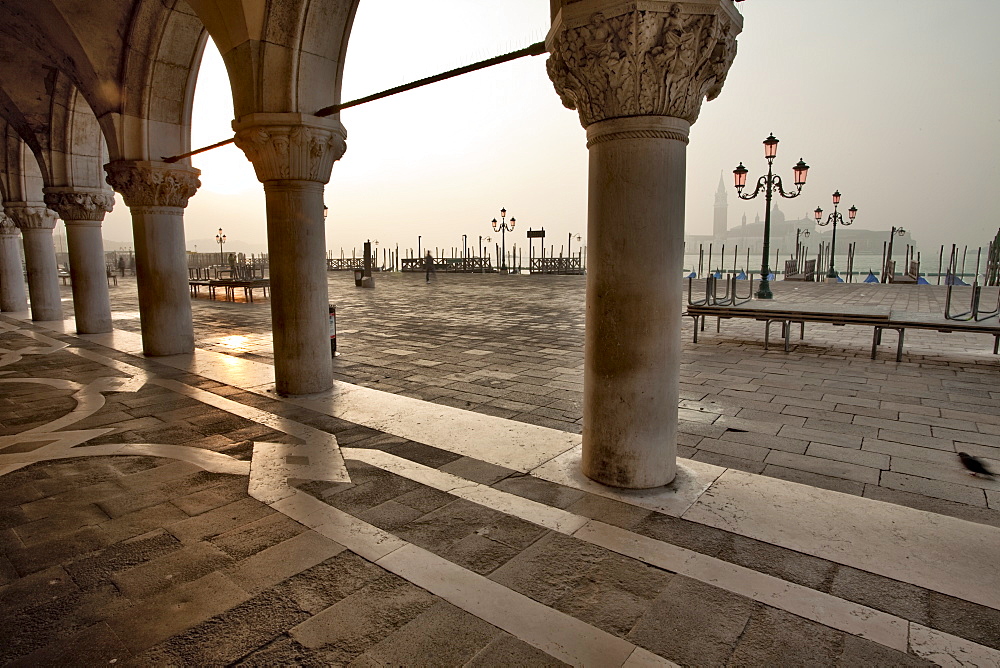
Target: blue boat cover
{"points": [[922, 281], [872, 278], [742, 276]]}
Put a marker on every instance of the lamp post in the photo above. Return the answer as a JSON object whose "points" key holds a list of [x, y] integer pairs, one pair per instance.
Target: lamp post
{"points": [[805, 235], [220, 238], [464, 245], [770, 183], [834, 218], [886, 278], [503, 228]]}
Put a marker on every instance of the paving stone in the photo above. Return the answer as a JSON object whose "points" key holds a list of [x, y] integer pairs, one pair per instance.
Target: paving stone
{"points": [[849, 455], [390, 515], [317, 588], [897, 598], [683, 533], [440, 529], [964, 619], [860, 652], [95, 645], [935, 488], [53, 551], [188, 563], [155, 494], [230, 635], [425, 499], [141, 521], [256, 536], [35, 589], [506, 650], [815, 479], [443, 635], [59, 618], [367, 495], [615, 594], [822, 466], [356, 623], [550, 568], [72, 518], [93, 570], [775, 637], [692, 623], [727, 461], [990, 516], [536, 489], [209, 499], [175, 610], [780, 562], [609, 511], [220, 520]]}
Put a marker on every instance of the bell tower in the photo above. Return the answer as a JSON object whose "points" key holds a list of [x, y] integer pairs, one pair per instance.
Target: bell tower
{"points": [[720, 224]]}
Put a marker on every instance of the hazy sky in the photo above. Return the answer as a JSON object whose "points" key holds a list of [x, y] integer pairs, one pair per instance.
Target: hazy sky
{"points": [[896, 104]]}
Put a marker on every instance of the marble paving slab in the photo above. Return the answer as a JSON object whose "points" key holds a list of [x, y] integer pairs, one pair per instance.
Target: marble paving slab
{"points": [[941, 553]]}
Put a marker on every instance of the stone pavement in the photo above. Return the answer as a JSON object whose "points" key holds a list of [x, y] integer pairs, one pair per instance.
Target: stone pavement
{"points": [[824, 414], [174, 511]]}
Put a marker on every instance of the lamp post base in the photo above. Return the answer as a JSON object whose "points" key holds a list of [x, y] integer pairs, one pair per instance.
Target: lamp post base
{"points": [[764, 290]]}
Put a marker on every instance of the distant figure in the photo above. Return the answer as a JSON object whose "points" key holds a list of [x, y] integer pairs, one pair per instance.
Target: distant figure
{"points": [[429, 266], [121, 265], [131, 264], [232, 265]]}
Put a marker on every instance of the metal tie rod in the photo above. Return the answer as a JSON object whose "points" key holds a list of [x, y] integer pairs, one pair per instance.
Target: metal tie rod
{"points": [[535, 49]]}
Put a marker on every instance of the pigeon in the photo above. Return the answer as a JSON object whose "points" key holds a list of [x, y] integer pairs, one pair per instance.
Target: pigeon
{"points": [[974, 466]]}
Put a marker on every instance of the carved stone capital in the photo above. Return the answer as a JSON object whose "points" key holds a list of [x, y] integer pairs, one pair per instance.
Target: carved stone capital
{"points": [[152, 183], [74, 205], [291, 146], [30, 216], [641, 57], [7, 226]]}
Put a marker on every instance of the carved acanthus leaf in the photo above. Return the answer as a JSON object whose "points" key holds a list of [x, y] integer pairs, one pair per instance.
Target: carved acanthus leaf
{"points": [[299, 152], [30, 217], [642, 61], [153, 183], [79, 205], [7, 226]]}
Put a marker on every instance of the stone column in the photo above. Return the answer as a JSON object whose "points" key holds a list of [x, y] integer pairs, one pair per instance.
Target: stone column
{"points": [[36, 223], [156, 193], [12, 295], [637, 73], [293, 155], [83, 212]]}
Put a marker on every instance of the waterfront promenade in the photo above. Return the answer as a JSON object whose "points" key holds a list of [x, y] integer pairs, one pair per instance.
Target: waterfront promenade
{"points": [[174, 511]]}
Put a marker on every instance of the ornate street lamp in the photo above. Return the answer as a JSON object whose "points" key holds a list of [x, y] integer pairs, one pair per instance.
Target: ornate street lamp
{"points": [[770, 183], [888, 255], [834, 218], [805, 235], [220, 239], [503, 228]]}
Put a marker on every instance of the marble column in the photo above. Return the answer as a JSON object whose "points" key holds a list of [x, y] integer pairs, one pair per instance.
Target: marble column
{"points": [[293, 155], [83, 212], [156, 193], [36, 223], [12, 294], [637, 75]]}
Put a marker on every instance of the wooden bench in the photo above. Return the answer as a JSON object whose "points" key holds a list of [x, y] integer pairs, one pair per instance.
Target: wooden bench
{"points": [[877, 317], [770, 312], [230, 286]]}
